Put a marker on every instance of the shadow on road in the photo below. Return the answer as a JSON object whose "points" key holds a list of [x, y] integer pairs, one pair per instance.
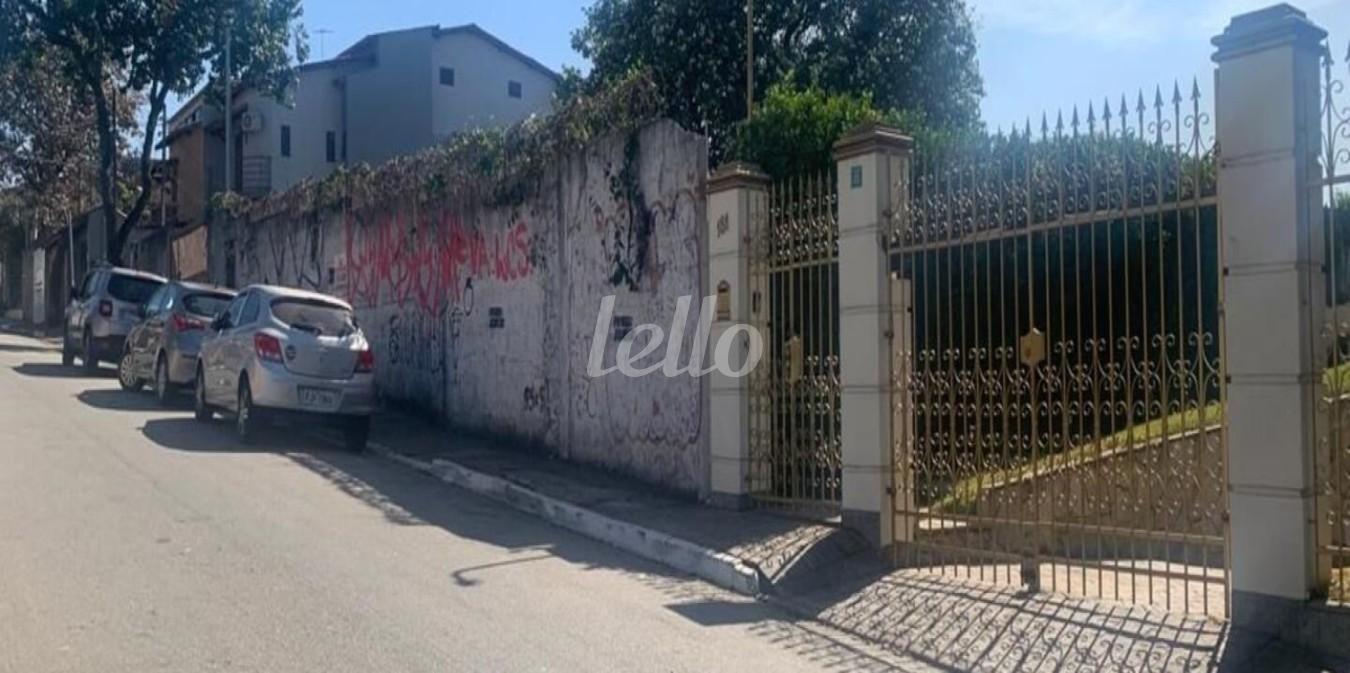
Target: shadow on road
{"points": [[116, 399], [184, 433], [60, 371], [408, 498]]}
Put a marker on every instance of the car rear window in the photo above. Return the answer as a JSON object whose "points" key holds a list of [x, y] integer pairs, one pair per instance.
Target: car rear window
{"points": [[132, 289], [314, 316], [206, 304]]}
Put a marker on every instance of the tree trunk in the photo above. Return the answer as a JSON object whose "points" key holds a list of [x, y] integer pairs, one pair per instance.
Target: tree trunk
{"points": [[147, 149], [107, 160]]}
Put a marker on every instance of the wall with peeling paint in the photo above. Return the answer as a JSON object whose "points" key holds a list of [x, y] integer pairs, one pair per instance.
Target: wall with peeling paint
{"points": [[485, 316]]}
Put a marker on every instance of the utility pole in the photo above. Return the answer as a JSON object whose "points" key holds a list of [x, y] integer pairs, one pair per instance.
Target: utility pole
{"points": [[110, 228], [70, 242], [749, 59], [229, 109], [164, 197]]}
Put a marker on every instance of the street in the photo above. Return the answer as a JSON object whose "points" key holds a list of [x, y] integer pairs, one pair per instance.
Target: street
{"points": [[134, 539]]}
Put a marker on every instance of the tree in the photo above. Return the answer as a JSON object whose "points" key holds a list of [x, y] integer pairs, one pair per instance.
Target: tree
{"points": [[47, 138], [153, 48], [915, 55], [794, 130]]}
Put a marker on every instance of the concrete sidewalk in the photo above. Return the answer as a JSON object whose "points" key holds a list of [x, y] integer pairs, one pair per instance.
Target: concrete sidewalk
{"points": [[827, 574], [751, 552], [47, 335]]}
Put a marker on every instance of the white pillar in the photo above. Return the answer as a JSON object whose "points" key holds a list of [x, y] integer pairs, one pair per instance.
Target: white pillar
{"points": [[1267, 127], [872, 162], [737, 192]]}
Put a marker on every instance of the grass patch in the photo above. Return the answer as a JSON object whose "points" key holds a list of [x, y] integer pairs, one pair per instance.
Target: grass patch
{"points": [[965, 493]]}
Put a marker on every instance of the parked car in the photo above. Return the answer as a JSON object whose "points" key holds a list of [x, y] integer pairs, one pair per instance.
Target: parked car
{"points": [[279, 352], [102, 311], [162, 347]]}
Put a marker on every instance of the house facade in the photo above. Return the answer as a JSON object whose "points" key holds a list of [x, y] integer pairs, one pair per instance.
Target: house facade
{"points": [[389, 94]]}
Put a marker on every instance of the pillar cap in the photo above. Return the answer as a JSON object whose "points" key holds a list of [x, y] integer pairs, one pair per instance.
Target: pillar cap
{"points": [[871, 137], [1268, 28], [736, 174]]}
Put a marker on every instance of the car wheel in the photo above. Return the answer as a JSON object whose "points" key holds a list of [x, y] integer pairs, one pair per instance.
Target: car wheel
{"points": [[163, 388], [126, 373], [245, 416], [67, 356], [356, 433], [200, 409], [90, 360]]}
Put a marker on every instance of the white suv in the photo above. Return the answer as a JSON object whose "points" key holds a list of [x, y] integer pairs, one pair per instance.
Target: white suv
{"points": [[102, 311]]}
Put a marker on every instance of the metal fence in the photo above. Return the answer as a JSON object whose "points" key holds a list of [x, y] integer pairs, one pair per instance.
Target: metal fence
{"points": [[794, 394], [1332, 329], [1058, 417]]}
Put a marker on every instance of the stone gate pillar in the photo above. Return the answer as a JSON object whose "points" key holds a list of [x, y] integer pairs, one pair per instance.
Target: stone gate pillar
{"points": [[872, 165], [1267, 130], [737, 192]]}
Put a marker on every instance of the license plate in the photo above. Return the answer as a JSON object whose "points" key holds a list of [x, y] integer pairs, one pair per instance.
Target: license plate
{"points": [[318, 397]]}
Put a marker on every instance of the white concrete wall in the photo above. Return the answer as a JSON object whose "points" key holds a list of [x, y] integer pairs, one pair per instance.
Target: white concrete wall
{"points": [[479, 96], [425, 283], [650, 426]]}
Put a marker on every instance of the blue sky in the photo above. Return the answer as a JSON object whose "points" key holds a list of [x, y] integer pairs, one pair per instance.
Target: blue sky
{"points": [[1035, 55]]}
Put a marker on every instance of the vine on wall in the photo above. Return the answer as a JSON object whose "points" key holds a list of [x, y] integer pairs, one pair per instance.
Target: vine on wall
{"points": [[631, 242], [498, 166]]}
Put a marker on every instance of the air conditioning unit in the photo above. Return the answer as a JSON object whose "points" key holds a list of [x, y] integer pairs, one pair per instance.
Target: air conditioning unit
{"points": [[250, 122]]}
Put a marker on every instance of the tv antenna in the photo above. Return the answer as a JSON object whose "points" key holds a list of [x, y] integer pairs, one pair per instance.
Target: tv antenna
{"points": [[322, 32]]}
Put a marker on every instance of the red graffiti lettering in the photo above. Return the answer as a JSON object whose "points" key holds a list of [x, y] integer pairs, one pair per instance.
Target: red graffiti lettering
{"points": [[393, 258]]}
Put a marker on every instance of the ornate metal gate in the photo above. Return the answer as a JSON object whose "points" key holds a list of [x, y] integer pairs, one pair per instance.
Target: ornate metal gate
{"points": [[1058, 381], [1332, 463], [794, 392]]}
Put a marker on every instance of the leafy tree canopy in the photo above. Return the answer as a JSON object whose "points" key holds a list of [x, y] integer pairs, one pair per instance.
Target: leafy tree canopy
{"points": [[915, 55], [152, 48], [794, 130], [48, 141]]}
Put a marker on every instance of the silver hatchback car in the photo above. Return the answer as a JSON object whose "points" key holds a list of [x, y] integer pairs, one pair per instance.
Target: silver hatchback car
{"points": [[280, 352], [162, 348]]}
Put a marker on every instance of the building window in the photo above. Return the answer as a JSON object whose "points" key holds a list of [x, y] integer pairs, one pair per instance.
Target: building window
{"points": [[330, 140], [285, 140], [513, 89], [448, 76], [344, 145]]}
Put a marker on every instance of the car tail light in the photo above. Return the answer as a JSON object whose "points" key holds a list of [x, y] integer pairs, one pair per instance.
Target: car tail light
{"points": [[105, 308], [365, 361], [182, 324], [267, 346]]}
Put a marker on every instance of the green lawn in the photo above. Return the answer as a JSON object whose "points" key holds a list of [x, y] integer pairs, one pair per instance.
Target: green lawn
{"points": [[1336, 381], [964, 493]]}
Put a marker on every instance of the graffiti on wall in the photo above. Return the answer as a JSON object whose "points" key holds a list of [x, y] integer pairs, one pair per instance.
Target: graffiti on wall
{"points": [[428, 262], [424, 285], [647, 241]]}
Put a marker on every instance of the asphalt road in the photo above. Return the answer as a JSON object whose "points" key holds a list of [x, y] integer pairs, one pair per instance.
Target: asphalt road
{"points": [[135, 539]]}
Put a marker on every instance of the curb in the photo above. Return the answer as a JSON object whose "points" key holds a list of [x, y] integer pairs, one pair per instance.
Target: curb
{"points": [[724, 570]]}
